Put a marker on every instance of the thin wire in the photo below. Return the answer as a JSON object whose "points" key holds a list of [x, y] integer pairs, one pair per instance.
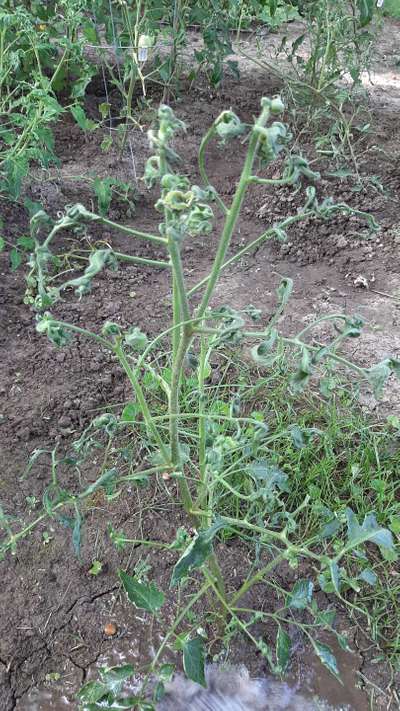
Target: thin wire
{"points": [[133, 161], [111, 46], [106, 93], [120, 79]]}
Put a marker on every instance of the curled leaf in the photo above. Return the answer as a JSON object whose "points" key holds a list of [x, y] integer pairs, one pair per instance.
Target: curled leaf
{"points": [[196, 553], [228, 125]]}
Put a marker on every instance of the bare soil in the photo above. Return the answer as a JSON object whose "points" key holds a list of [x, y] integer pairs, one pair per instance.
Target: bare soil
{"points": [[53, 611]]}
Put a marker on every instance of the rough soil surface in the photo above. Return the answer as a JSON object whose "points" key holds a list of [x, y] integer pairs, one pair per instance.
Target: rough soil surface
{"points": [[53, 611]]}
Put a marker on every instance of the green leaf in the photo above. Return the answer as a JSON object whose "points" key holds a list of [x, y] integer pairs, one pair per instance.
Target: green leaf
{"points": [[76, 532], [297, 43], [90, 32], [2, 244], [196, 553], [91, 692], [283, 648], [106, 143], [130, 412], [366, 10], [394, 365], [327, 658], [15, 259], [301, 594], [15, 171], [330, 528], [104, 109], [273, 5], [166, 672], [335, 575], [296, 434], [26, 243], [145, 597], [81, 119], [103, 192], [368, 576], [96, 568], [194, 660], [395, 524], [115, 677]]}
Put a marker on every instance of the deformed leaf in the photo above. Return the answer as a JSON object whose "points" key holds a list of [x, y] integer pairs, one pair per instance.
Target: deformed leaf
{"points": [[97, 261], [377, 377], [197, 552], [145, 597], [263, 353], [136, 339], [369, 531], [284, 290], [300, 378], [270, 475], [194, 660]]}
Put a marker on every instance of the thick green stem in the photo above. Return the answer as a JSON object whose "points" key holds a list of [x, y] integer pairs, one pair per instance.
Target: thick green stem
{"points": [[175, 455], [131, 231], [83, 332], [119, 352], [201, 501], [141, 260], [256, 578], [253, 245], [179, 282], [176, 316], [233, 212], [217, 574]]}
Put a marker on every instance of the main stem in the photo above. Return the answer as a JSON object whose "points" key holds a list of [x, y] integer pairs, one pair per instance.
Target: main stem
{"points": [[232, 214]]}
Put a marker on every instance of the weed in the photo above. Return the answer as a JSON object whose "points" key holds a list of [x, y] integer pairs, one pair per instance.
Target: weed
{"points": [[326, 62]]}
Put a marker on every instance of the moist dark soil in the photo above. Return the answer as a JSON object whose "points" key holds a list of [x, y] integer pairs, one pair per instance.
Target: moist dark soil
{"points": [[53, 610]]}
